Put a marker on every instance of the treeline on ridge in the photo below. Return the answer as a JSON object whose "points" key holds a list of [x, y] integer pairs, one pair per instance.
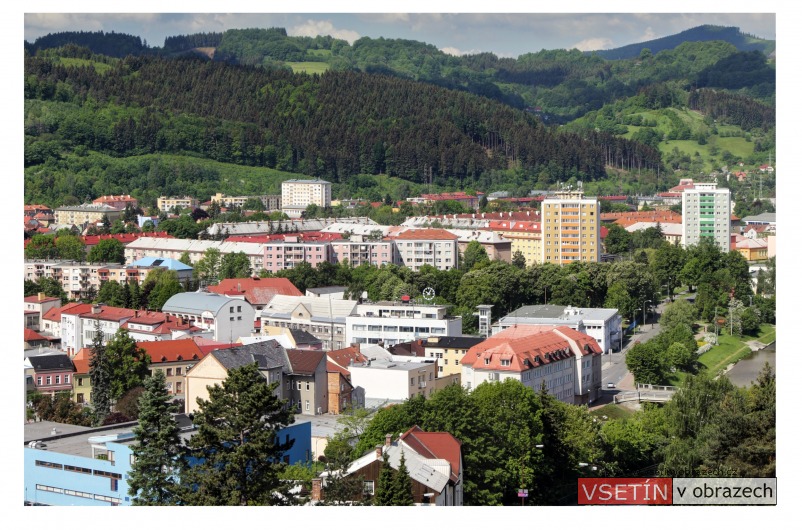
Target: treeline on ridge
{"points": [[330, 126]]}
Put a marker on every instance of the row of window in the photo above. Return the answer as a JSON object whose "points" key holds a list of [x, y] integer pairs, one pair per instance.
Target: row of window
{"points": [[49, 380], [52, 489]]}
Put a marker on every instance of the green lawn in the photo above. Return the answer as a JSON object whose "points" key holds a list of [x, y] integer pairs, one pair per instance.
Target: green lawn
{"points": [[731, 348], [309, 67], [613, 412]]}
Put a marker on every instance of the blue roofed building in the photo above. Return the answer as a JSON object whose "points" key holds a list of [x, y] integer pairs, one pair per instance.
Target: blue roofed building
{"points": [[183, 270]]}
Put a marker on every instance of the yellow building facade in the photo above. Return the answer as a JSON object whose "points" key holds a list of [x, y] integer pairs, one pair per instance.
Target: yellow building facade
{"points": [[570, 228]]}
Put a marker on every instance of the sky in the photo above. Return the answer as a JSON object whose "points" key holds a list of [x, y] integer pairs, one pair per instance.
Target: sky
{"points": [[507, 34]]}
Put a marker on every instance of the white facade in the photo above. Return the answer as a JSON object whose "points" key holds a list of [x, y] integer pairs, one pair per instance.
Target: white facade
{"points": [[706, 212], [173, 248], [226, 318], [394, 322], [394, 381], [298, 194], [435, 247], [602, 324], [558, 377]]}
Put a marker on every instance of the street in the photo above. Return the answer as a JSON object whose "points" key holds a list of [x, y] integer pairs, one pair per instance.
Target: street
{"points": [[614, 368]]}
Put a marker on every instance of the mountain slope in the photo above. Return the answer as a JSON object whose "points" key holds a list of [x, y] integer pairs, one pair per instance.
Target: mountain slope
{"points": [[732, 35]]}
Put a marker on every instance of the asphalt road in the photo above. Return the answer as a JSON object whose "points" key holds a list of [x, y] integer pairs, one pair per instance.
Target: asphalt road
{"points": [[614, 368]]}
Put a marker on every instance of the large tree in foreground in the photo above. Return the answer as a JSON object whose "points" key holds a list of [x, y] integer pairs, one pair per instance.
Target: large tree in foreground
{"points": [[99, 377], [235, 455], [153, 479]]}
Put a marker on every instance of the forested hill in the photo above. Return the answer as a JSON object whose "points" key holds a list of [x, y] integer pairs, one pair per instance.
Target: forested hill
{"points": [[732, 35], [331, 126]]}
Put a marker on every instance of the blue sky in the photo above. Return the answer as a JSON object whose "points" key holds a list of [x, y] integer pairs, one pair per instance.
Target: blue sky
{"points": [[506, 34]]}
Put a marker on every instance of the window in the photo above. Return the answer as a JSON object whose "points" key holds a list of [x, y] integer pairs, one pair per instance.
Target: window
{"points": [[66, 379], [231, 309], [178, 371], [169, 371], [38, 380], [58, 379], [306, 405], [369, 487], [411, 381], [48, 380], [307, 385], [239, 309], [299, 385]]}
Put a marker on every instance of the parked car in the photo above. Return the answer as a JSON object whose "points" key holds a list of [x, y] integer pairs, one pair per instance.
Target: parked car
{"points": [[610, 385]]}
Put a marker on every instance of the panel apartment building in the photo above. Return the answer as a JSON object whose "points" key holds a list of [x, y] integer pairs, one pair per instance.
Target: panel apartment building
{"points": [[706, 213], [570, 228], [297, 194]]}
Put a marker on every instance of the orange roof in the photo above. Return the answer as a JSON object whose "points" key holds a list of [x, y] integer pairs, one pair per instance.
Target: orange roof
{"points": [[257, 290], [527, 347], [425, 234], [165, 351], [81, 360]]}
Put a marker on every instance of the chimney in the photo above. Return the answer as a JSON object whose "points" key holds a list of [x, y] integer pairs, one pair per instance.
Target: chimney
{"points": [[96, 309], [317, 489], [378, 452], [40, 296], [388, 439]]}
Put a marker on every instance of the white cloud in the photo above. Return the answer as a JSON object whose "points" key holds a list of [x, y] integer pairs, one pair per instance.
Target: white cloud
{"points": [[313, 28], [450, 50], [649, 34], [594, 44]]}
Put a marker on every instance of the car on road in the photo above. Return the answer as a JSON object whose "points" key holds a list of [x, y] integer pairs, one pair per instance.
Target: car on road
{"points": [[610, 385]]}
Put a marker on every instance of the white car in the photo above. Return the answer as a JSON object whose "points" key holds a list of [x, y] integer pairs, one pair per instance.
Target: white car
{"points": [[610, 385]]}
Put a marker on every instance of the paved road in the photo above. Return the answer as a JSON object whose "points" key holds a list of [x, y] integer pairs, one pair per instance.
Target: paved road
{"points": [[614, 368]]}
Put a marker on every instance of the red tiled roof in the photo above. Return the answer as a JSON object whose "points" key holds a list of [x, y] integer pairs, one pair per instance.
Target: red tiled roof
{"points": [[515, 226], [257, 291], [331, 367], [166, 351], [75, 308], [528, 347], [452, 196], [54, 314], [123, 238], [426, 234], [35, 298], [109, 313], [440, 445], [305, 237], [304, 362], [344, 356], [31, 335], [209, 345]]}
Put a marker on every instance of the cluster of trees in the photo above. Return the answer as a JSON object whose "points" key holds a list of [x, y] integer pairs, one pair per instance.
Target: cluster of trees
{"points": [[65, 245], [732, 108], [159, 285], [233, 459]]}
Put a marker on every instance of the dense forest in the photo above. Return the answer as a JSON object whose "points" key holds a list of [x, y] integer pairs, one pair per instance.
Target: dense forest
{"points": [[102, 105]]}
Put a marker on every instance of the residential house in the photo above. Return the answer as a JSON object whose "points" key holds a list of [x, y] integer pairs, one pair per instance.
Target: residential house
{"points": [[175, 358], [255, 290], [86, 214], [470, 202], [571, 228], [752, 249], [497, 246], [226, 318], [101, 318], [297, 194], [32, 339], [81, 381], [156, 326], [335, 292], [270, 202], [38, 305], [70, 326], [286, 254], [79, 280], [52, 373], [342, 392], [448, 352], [324, 318], [433, 461], [524, 236], [167, 204], [157, 247], [306, 384]]}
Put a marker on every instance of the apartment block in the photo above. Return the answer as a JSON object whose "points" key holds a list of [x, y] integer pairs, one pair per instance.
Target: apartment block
{"points": [[165, 204], [390, 323], [570, 227], [428, 246], [359, 249], [706, 213], [297, 194], [86, 213]]}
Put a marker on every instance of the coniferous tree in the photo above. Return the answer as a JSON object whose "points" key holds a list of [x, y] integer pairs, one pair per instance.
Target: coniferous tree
{"points": [[153, 479], [384, 487], [99, 377], [236, 457], [402, 485]]}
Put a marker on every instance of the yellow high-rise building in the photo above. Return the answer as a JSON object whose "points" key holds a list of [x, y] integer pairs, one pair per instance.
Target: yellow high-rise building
{"points": [[570, 225]]}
